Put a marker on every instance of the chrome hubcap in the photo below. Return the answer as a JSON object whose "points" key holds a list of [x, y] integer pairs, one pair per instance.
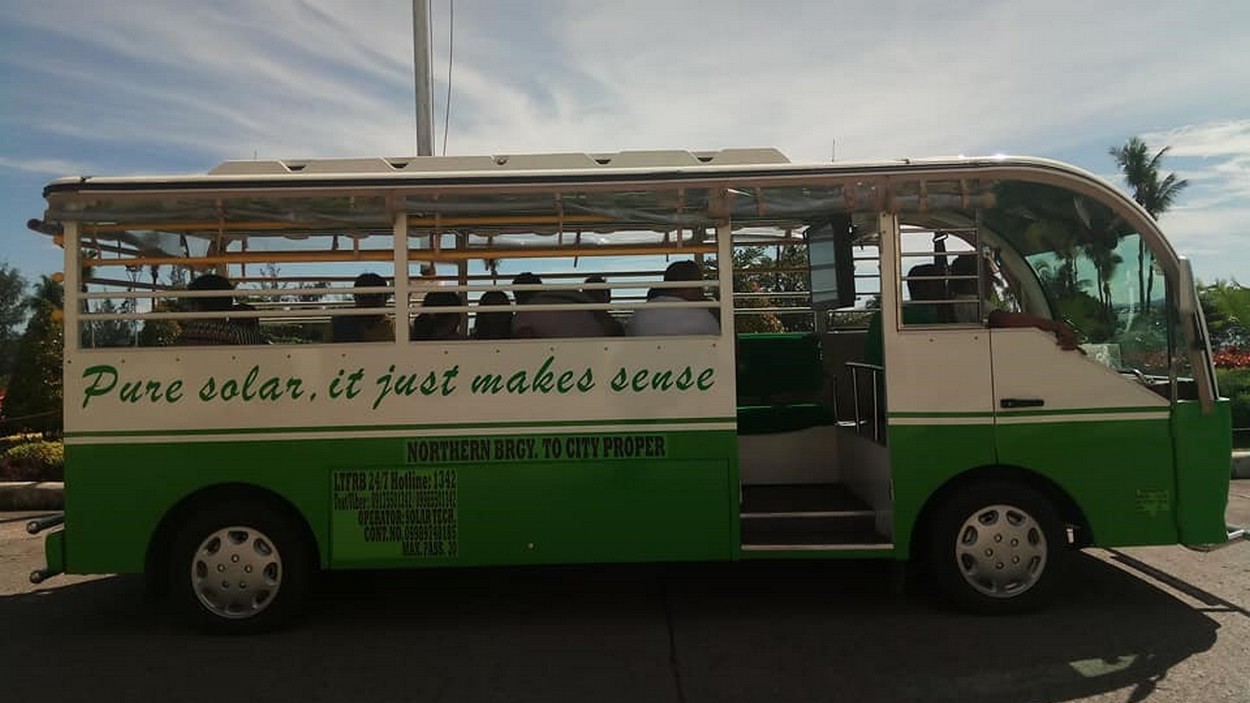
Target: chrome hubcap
{"points": [[1001, 551], [236, 572]]}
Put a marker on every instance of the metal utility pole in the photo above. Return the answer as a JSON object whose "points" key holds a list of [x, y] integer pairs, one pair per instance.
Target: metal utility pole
{"points": [[422, 71]]}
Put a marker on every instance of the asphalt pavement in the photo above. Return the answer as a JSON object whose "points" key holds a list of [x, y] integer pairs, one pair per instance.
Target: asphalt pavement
{"points": [[1145, 624]]}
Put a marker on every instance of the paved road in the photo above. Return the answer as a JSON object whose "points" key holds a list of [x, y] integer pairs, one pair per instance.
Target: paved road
{"points": [[1155, 624]]}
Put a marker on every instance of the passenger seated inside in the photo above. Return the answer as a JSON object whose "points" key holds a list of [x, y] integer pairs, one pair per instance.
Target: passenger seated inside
{"points": [[249, 325], [552, 323], [670, 321], [611, 326], [364, 328], [212, 331], [431, 326], [963, 287], [923, 283], [493, 324], [966, 289]]}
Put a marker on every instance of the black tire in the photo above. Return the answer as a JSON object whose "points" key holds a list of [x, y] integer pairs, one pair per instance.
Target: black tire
{"points": [[997, 548], [261, 557]]}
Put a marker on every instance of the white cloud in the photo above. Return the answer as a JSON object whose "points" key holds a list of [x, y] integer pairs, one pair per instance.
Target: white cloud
{"points": [[321, 78], [53, 167], [1231, 138]]}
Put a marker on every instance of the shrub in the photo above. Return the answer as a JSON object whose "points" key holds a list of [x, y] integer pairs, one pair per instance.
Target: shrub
{"points": [[15, 439], [33, 461], [1235, 385]]}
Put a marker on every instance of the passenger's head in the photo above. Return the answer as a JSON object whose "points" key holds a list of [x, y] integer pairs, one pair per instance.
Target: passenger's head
{"points": [[494, 324], [965, 265], [525, 279], [370, 300], [441, 299], [440, 325], [494, 297], [598, 295], [684, 270], [211, 281], [932, 289]]}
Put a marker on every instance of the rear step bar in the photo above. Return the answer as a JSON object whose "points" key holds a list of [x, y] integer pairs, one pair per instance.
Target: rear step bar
{"points": [[808, 514], [1235, 534], [815, 547]]}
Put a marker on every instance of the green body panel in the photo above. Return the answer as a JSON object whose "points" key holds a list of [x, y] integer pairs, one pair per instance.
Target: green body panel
{"points": [[1204, 447], [1118, 471], [680, 504], [564, 513], [116, 494], [923, 458]]}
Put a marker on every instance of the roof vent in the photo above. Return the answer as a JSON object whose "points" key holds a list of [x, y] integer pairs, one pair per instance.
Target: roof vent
{"points": [[747, 157]]}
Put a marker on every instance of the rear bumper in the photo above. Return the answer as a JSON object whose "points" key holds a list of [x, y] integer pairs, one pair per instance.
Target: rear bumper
{"points": [[1235, 535]]}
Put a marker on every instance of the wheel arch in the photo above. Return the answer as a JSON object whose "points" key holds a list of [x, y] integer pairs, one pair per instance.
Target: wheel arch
{"points": [[157, 554], [1067, 507]]}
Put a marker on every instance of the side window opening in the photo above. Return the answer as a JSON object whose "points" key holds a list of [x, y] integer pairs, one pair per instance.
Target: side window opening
{"points": [[941, 281], [142, 288]]}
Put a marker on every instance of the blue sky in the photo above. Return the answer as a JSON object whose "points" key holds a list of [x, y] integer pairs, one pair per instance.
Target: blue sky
{"points": [[167, 86]]}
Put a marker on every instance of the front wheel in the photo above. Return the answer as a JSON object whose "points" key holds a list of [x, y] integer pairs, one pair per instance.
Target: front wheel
{"points": [[239, 568], [997, 548]]}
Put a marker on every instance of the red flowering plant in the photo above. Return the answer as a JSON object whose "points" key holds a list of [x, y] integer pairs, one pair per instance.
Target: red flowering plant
{"points": [[1232, 359]]}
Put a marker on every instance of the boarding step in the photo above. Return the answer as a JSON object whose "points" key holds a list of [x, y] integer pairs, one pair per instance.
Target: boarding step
{"points": [[807, 517], [810, 534], [802, 500]]}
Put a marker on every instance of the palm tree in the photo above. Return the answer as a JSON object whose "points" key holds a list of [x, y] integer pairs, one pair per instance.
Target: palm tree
{"points": [[1155, 195], [48, 295]]}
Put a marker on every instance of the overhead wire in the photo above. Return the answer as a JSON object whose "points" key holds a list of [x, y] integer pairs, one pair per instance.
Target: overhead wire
{"points": [[451, 46]]}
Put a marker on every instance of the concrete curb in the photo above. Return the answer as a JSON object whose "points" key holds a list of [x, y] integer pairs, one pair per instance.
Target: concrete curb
{"points": [[32, 495], [1241, 464]]}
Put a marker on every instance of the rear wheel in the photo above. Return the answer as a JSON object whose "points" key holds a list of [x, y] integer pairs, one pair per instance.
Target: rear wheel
{"points": [[238, 568], [997, 548]]}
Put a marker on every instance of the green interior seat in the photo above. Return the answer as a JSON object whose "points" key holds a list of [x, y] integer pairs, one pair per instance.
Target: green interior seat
{"points": [[778, 377]]}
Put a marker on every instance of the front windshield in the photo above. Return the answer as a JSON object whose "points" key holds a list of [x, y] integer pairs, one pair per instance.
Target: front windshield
{"points": [[1095, 273]]}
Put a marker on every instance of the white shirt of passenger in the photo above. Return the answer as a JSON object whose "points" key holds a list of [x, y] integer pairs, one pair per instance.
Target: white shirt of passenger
{"points": [[648, 322], [556, 323]]}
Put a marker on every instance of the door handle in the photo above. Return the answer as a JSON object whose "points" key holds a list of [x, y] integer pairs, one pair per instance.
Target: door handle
{"points": [[1021, 402]]}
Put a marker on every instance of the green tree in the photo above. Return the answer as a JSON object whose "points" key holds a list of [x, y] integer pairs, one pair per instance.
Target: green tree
{"points": [[12, 312], [34, 395], [1154, 193], [109, 333], [1226, 307], [756, 274], [161, 333]]}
